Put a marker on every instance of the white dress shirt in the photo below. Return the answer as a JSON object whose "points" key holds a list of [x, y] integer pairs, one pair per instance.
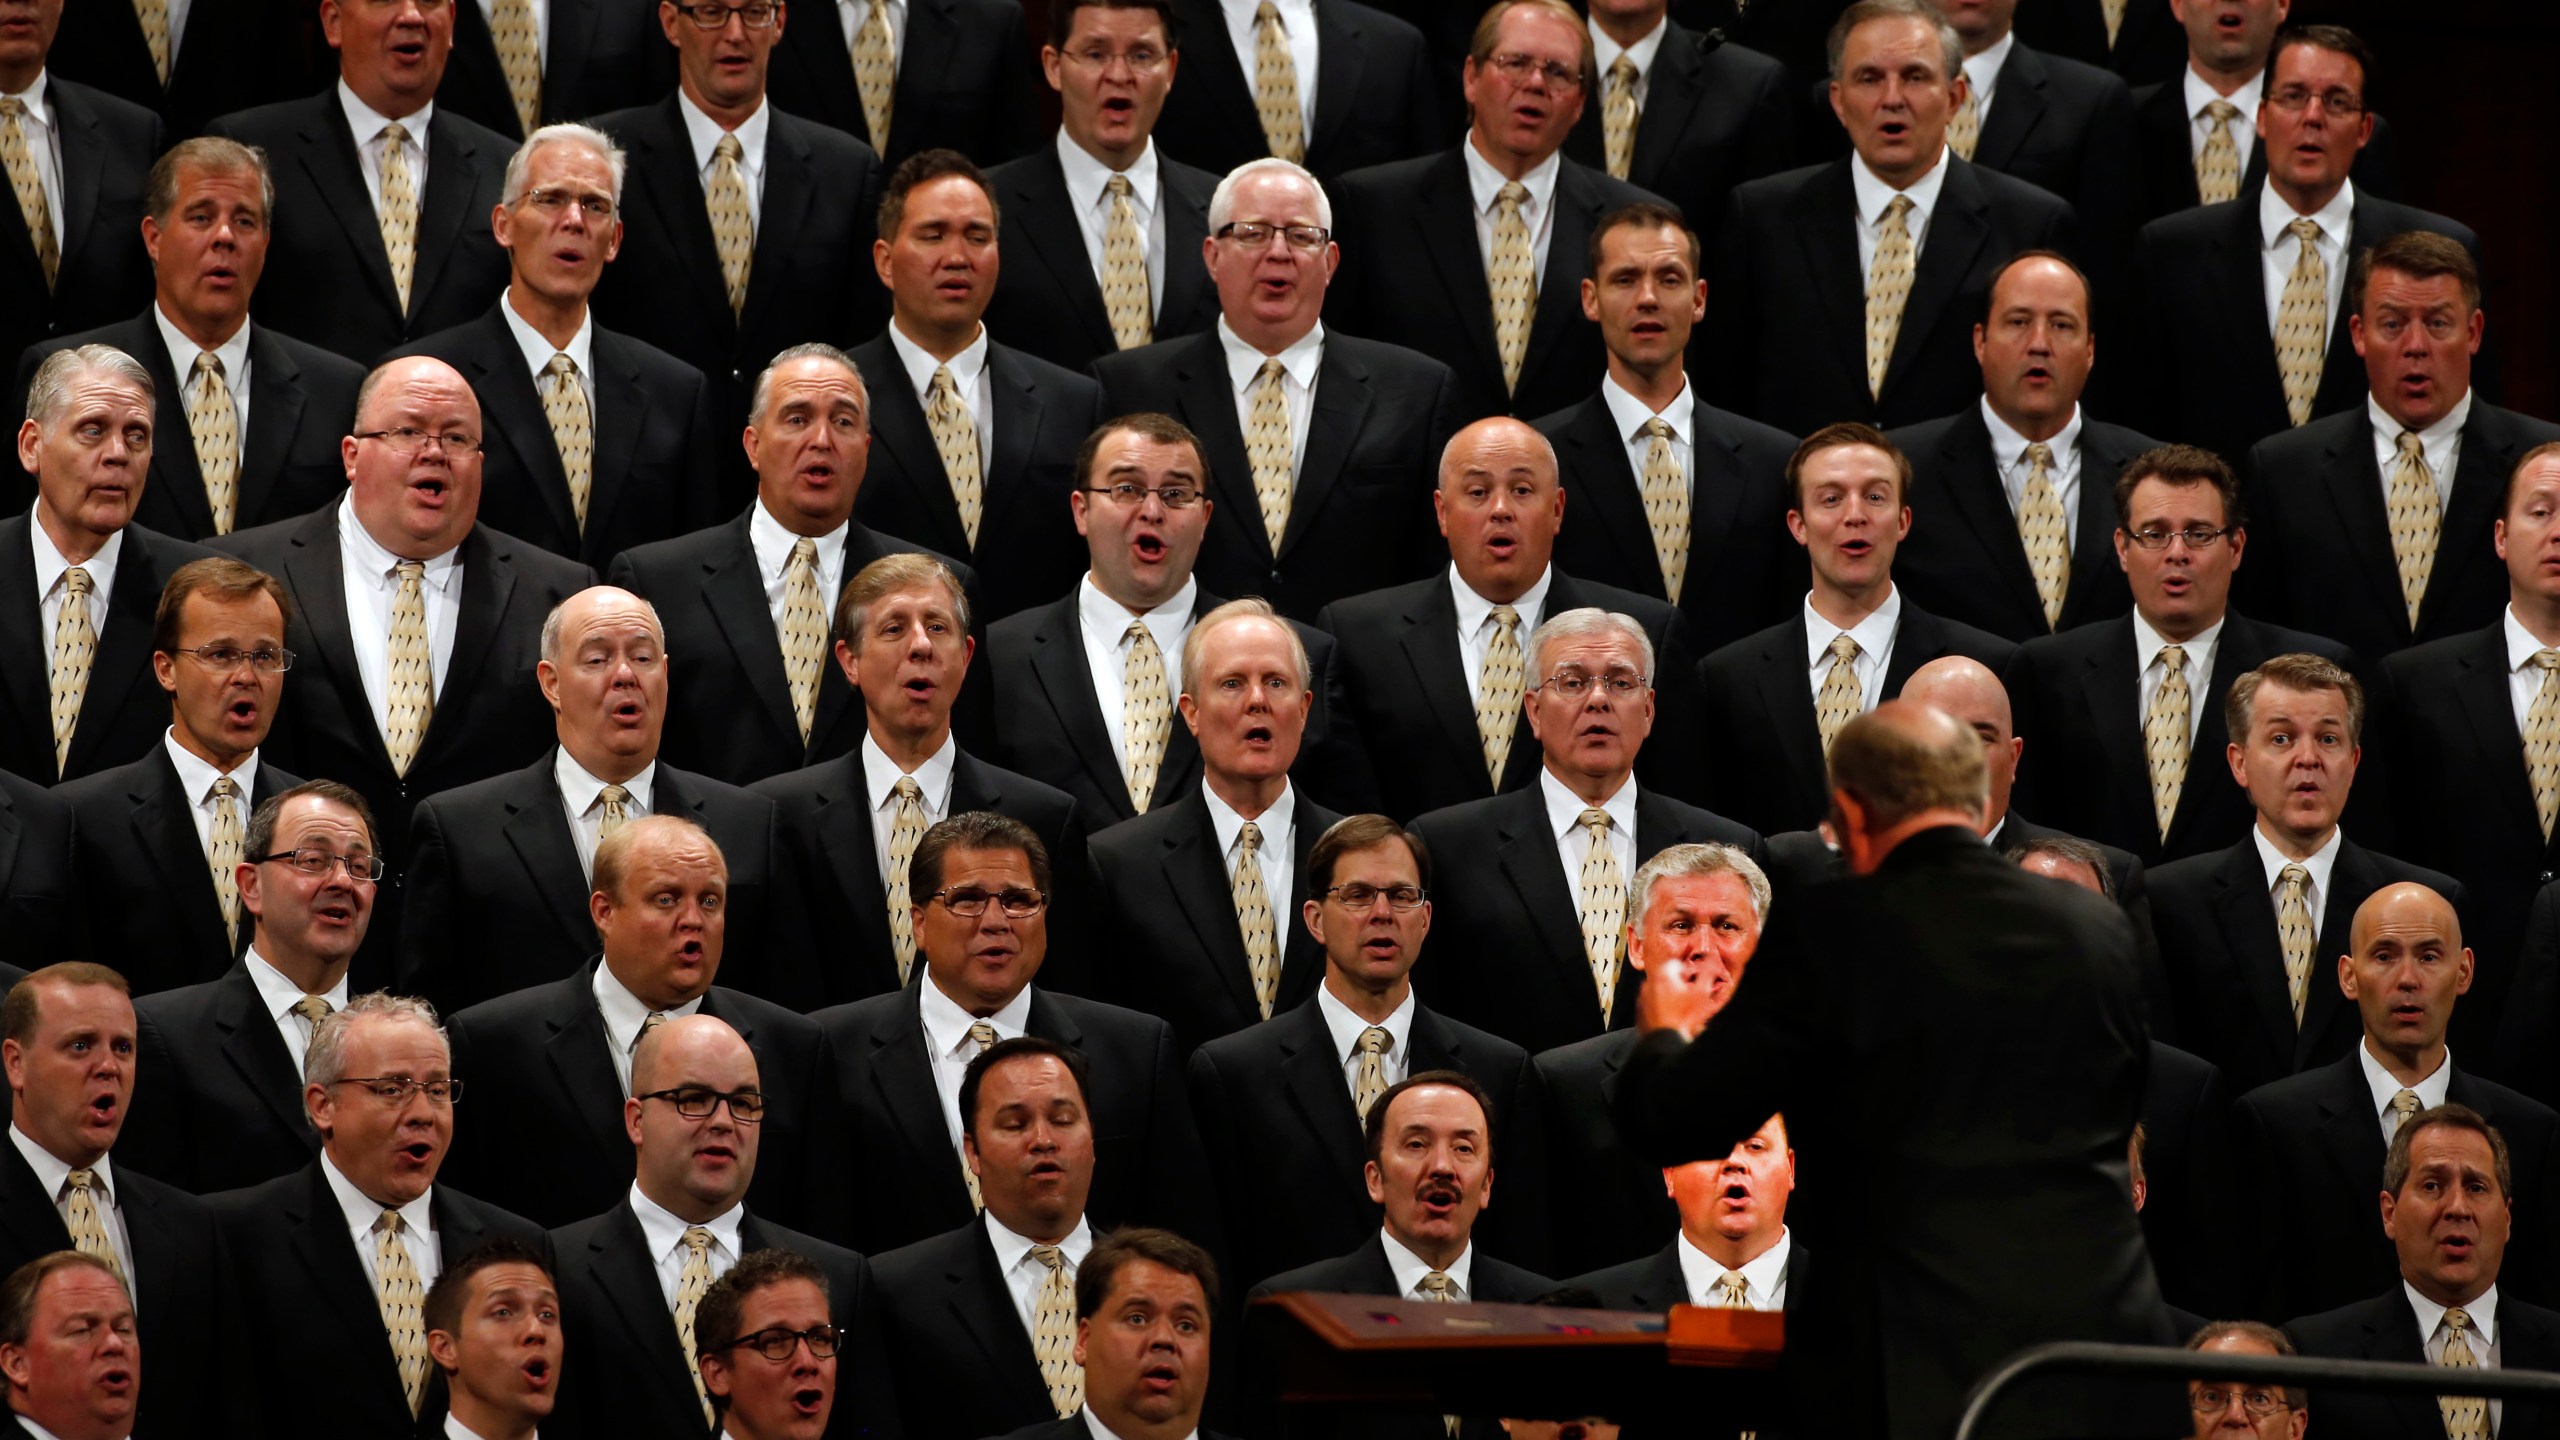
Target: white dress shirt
{"points": [[1298, 23], [2524, 679], [1104, 624], [1476, 628], [2200, 94], [2319, 866], [1409, 1268], [417, 1227], [2440, 443], [1276, 855], [456, 1430], [488, 14], [1764, 1277], [2147, 644], [195, 781], [44, 146], [947, 1043], [1605, 53], [1023, 1276], [624, 1015], [370, 576], [50, 566], [53, 1177], [279, 995], [1347, 1028], [705, 132], [2431, 1089], [772, 546], [2009, 454], [366, 123], [968, 376], [1873, 195], [2483, 1314], [2336, 221], [1094, 1427], [582, 803], [1630, 414], [1484, 186], [1573, 843], [234, 355], [1874, 635], [880, 777], [1982, 74], [1087, 195], [538, 351], [1298, 365], [854, 14], [664, 1231]]}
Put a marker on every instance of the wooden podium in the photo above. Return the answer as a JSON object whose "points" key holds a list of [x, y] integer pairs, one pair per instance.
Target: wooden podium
{"points": [[1521, 1361]]}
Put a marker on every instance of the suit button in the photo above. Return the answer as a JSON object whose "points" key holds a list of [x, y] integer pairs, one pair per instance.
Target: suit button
{"points": [[2546, 877]]}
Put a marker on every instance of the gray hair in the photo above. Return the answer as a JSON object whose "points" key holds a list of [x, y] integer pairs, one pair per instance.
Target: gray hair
{"points": [[564, 133], [1590, 623], [211, 155], [325, 1062], [1694, 862], [1222, 201], [551, 622], [51, 388], [1251, 607], [807, 350], [2071, 850], [1949, 42]]}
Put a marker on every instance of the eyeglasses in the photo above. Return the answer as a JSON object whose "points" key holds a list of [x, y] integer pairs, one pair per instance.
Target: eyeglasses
{"points": [[315, 862], [1357, 896], [2208, 1400], [2293, 99], [1519, 69], [397, 1089], [2198, 537], [716, 17], [551, 200], [1129, 495], [222, 659], [1573, 684], [410, 442], [1255, 232], [1141, 60], [778, 1343], [696, 1102], [969, 902]]}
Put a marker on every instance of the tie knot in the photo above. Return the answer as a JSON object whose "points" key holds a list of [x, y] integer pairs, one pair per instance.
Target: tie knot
{"points": [[388, 1223], [410, 569], [395, 135], [1657, 428], [655, 1019], [2405, 1104], [1843, 648], [314, 1008], [1266, 13], [2410, 447], [1272, 371], [1899, 207], [727, 149], [207, 363], [2039, 456], [2457, 1319], [943, 383], [1622, 71], [614, 795], [1375, 1041], [908, 789], [2547, 660], [697, 1239], [1596, 821], [1118, 186], [1049, 1255], [1513, 195], [2221, 112], [1250, 837], [561, 365], [1437, 1285], [2305, 230], [226, 788], [2294, 876], [1732, 1290], [983, 1035], [12, 106], [80, 1179], [1506, 616], [804, 551], [76, 580], [1137, 632], [2173, 658]]}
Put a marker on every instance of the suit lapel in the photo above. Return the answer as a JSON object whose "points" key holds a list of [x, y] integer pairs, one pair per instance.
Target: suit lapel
{"points": [[2479, 488], [1825, 218], [2353, 874], [1439, 672], [622, 412], [1786, 693], [1186, 231], [846, 838], [2021, 109], [2242, 646], [1058, 664], [316, 1233], [1195, 874], [733, 593], [2354, 486], [1447, 233], [2240, 299], [1957, 232], [1341, 408], [1529, 858], [84, 160], [538, 831], [124, 645], [583, 1068], [1013, 400], [175, 476], [444, 210], [1341, 41], [902, 1073], [276, 401], [1317, 1090], [2112, 687], [26, 653], [27, 1215], [2482, 686], [1209, 403], [983, 1307], [674, 185], [2245, 914], [571, 41], [1717, 480], [516, 418], [899, 428], [1048, 222], [486, 584], [619, 1261], [166, 831], [315, 575], [1671, 91], [329, 157], [1921, 638], [791, 173], [1578, 202], [1973, 489]]}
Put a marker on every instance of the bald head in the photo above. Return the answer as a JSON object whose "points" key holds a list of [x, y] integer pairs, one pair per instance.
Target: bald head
{"points": [[1499, 503], [1499, 442], [686, 1045], [2407, 908], [1901, 768], [698, 1166], [1968, 691]]}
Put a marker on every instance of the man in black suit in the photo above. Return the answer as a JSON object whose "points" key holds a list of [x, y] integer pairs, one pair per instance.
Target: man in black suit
{"points": [[981, 883], [74, 660], [2022, 484], [1145, 1302], [1533, 883], [633, 1277], [2194, 130], [326, 1262], [2423, 446], [746, 602], [407, 533], [2215, 280], [2141, 44], [588, 57], [592, 442], [1684, 114], [38, 900], [1669, 486], [1732, 1249], [1846, 289], [493, 1330], [221, 1062], [2127, 715], [973, 443], [73, 1357], [959, 75], [380, 194], [1416, 226], [1774, 700], [847, 826], [206, 67], [1835, 1034], [68, 1051], [555, 1058], [175, 815], [1357, 87], [785, 276], [770, 1299], [1319, 446], [2448, 1206], [1289, 1097], [273, 457], [1103, 226], [501, 870]]}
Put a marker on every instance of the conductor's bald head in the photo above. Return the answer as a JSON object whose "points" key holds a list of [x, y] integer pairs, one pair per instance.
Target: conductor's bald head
{"points": [[1967, 690], [1901, 768]]}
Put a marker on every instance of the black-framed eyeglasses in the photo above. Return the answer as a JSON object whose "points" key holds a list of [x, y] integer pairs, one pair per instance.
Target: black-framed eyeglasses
{"points": [[776, 1343], [551, 200], [2198, 537], [2293, 99], [696, 1102], [1518, 68], [223, 659], [2213, 1400], [315, 862], [411, 442], [1358, 896], [969, 902], [399, 1089], [1255, 232], [1129, 495], [756, 16], [1573, 684]]}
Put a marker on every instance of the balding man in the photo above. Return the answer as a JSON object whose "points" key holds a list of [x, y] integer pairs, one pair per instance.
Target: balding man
{"points": [[70, 1355], [500, 869], [2010, 1198]]}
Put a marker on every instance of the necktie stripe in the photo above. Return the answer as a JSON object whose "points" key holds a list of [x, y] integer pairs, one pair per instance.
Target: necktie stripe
{"points": [[1267, 447], [2417, 521], [1619, 117], [875, 72], [519, 58], [1513, 278], [2542, 739], [399, 215], [19, 160], [2294, 934], [691, 1284], [564, 406], [75, 651], [2046, 532], [2466, 1417], [1124, 270], [804, 633], [1253, 917], [955, 438], [1888, 287], [1053, 1333], [733, 232], [2165, 738], [213, 424], [412, 668], [1841, 698], [906, 828], [2302, 323], [1146, 713], [1666, 506], [1604, 910], [223, 854], [2218, 163], [402, 1300], [1499, 691]]}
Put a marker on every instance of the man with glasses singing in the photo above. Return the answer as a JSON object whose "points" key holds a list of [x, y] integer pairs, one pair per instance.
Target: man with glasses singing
{"points": [[768, 1350]]}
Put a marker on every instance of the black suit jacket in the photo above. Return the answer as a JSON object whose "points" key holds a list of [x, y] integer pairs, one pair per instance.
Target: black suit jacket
{"points": [[1028, 548], [124, 713], [1715, 114], [2186, 1117], [302, 400], [1049, 300], [597, 56], [1413, 271], [1147, 1166], [657, 442], [39, 896], [332, 279], [218, 1103], [1963, 558], [1074, 1428], [2200, 289], [2385, 1328], [1619, 1203], [2322, 531], [1655, 1283], [214, 71], [831, 902], [621, 1336], [964, 1360], [2077, 698], [1785, 339], [106, 149], [1375, 97], [299, 1286], [2067, 128], [1759, 717], [1507, 952], [1745, 570], [136, 826], [2167, 158], [2528, 1052], [2149, 46], [966, 81], [1360, 511]]}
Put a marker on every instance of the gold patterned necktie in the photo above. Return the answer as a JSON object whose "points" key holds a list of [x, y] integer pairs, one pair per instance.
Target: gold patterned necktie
{"points": [[402, 1298], [18, 158], [519, 57], [1266, 445], [1124, 270], [1840, 698], [2417, 521], [1964, 127], [2113, 12], [1438, 1287], [1888, 286], [1372, 1048], [907, 825], [616, 801], [2165, 738], [2542, 739], [1618, 117], [2294, 934], [80, 1198], [1053, 1333], [955, 438], [223, 854], [1733, 1292], [690, 1285], [1275, 86], [982, 1035], [75, 651], [875, 73], [399, 211], [1666, 506], [1146, 713], [154, 15], [564, 405], [2046, 532], [1498, 692], [1604, 909], [1253, 916], [2302, 322], [804, 632], [2466, 1417], [313, 1009], [2218, 163], [213, 423], [1514, 281], [733, 230], [2404, 1103], [412, 669]]}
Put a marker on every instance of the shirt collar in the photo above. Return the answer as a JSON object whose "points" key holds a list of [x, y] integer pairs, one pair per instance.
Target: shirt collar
{"points": [[1484, 183], [946, 1025], [1274, 822], [2430, 1089], [880, 774], [2434, 438], [2148, 643], [279, 994], [1346, 1028], [454, 1429], [183, 350], [366, 555], [50, 562], [1874, 634], [1605, 51], [624, 1013], [1873, 195], [2009, 448], [2335, 219], [920, 365], [664, 1230], [1982, 71], [705, 132], [362, 1210], [1086, 176], [772, 544], [1761, 1272], [1096, 1430], [1631, 413], [1107, 619], [1474, 609], [2320, 863], [1409, 1268], [367, 122], [581, 789], [538, 351], [52, 1171], [195, 777], [33, 96], [1010, 1248], [2483, 1313], [1299, 359], [2200, 93], [1564, 808]]}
